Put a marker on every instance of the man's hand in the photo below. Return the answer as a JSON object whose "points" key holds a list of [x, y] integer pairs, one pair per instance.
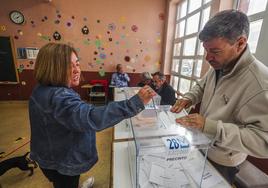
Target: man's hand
{"points": [[146, 94], [192, 120], [180, 104]]}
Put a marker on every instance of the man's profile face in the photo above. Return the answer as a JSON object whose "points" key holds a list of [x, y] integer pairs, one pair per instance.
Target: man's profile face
{"points": [[157, 81], [219, 52]]}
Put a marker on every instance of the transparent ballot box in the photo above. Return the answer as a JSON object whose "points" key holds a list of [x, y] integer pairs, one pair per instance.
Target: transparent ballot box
{"points": [[164, 154]]}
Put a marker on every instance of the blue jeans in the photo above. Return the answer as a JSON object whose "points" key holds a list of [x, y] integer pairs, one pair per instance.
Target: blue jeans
{"points": [[60, 180]]}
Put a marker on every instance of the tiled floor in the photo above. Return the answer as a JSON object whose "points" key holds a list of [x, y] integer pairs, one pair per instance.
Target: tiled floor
{"points": [[14, 123]]}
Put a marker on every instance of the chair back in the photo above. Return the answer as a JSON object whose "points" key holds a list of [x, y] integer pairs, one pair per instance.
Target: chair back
{"points": [[103, 83]]}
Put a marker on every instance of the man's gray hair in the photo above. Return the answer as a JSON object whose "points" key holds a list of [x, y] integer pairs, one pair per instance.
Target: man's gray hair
{"points": [[161, 75], [228, 24], [146, 76]]}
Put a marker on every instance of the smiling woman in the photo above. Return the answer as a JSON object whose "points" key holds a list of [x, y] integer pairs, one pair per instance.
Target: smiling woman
{"points": [[63, 127]]}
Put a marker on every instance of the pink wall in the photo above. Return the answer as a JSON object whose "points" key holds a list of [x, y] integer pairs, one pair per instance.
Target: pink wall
{"points": [[120, 31]]}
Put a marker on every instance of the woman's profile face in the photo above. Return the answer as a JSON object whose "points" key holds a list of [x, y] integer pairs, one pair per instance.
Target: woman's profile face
{"points": [[75, 71]]}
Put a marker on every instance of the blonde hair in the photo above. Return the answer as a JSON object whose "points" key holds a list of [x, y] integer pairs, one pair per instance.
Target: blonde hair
{"points": [[53, 64]]}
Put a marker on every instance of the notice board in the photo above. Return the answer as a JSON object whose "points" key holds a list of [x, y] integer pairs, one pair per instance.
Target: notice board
{"points": [[8, 71]]}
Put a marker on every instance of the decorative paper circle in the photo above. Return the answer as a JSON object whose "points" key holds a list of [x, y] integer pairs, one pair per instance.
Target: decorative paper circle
{"points": [[85, 30], [161, 16], [127, 58], [134, 28], [102, 56], [122, 19], [3, 28], [56, 35], [111, 27], [20, 32], [133, 60], [147, 58], [57, 21]]}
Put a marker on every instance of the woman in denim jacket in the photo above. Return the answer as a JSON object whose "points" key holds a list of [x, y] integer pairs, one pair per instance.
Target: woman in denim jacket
{"points": [[63, 127]]}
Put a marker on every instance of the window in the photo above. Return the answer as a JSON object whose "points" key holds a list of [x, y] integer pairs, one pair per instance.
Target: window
{"points": [[256, 13], [188, 52]]}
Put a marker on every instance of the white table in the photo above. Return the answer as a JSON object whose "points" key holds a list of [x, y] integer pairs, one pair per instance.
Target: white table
{"points": [[121, 172]]}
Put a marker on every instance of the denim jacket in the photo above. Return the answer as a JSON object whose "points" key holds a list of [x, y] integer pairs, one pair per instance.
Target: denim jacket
{"points": [[63, 127]]}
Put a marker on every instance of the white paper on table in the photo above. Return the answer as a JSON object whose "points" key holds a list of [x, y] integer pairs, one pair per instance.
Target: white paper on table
{"points": [[194, 167], [147, 185], [164, 118], [144, 172], [167, 177], [157, 174], [177, 178], [174, 116], [156, 158]]}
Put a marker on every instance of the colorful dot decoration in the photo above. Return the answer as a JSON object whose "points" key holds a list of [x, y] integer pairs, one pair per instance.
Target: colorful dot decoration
{"points": [[111, 27], [161, 16], [127, 58], [134, 28], [102, 43]]}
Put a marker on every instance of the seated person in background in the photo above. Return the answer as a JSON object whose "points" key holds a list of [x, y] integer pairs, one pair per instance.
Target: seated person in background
{"points": [[146, 79], [163, 89], [119, 78]]}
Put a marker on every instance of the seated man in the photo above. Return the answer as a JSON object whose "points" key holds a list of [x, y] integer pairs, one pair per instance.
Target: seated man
{"points": [[146, 79], [120, 79], [163, 89]]}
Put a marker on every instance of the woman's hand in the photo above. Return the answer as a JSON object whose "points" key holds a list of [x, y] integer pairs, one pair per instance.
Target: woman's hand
{"points": [[146, 93]]}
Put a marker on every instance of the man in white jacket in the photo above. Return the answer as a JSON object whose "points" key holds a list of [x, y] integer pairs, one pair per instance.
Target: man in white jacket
{"points": [[233, 95]]}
